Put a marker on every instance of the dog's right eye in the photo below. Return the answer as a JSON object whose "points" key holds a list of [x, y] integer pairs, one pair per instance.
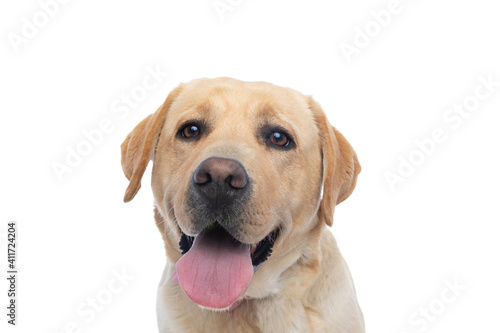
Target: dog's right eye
{"points": [[190, 130]]}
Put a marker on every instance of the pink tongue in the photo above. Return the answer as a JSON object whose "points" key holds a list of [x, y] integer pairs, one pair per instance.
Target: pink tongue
{"points": [[216, 271]]}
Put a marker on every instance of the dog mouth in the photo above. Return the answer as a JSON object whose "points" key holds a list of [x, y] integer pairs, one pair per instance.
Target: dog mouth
{"points": [[259, 251], [216, 268]]}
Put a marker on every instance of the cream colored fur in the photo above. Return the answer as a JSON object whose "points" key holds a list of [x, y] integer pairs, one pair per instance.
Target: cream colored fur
{"points": [[305, 285]]}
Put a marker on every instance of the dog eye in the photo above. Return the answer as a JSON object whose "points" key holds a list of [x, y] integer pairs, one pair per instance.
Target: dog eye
{"points": [[190, 130], [279, 139]]}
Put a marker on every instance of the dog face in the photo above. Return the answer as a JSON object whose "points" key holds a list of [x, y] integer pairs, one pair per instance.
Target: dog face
{"points": [[228, 132], [248, 160]]}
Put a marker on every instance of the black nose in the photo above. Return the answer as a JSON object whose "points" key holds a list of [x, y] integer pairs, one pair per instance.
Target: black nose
{"points": [[220, 181]]}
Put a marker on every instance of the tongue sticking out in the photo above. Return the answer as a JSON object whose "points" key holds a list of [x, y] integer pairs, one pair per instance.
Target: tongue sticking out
{"points": [[216, 270]]}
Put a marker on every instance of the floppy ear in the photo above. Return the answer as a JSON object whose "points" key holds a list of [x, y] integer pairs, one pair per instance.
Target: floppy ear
{"points": [[340, 165], [139, 145]]}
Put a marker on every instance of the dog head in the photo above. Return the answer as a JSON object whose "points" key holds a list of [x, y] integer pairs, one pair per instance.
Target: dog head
{"points": [[238, 165]]}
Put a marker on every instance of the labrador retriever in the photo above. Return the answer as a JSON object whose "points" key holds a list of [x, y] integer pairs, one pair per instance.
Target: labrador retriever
{"points": [[246, 177]]}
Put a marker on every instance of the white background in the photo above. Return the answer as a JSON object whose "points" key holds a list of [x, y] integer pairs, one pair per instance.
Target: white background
{"points": [[440, 224]]}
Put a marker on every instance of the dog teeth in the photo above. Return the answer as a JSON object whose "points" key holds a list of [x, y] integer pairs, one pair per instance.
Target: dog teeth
{"points": [[253, 247]]}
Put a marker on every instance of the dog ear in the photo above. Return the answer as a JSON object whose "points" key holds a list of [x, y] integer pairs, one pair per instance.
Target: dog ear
{"points": [[139, 145], [340, 165]]}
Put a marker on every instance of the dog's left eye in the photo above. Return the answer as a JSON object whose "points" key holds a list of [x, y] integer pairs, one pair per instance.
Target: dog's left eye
{"points": [[279, 139], [190, 130]]}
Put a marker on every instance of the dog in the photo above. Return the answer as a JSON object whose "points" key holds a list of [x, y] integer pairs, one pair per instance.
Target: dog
{"points": [[246, 177]]}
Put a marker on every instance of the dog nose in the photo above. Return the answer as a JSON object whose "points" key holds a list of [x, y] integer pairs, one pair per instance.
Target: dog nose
{"points": [[220, 181]]}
